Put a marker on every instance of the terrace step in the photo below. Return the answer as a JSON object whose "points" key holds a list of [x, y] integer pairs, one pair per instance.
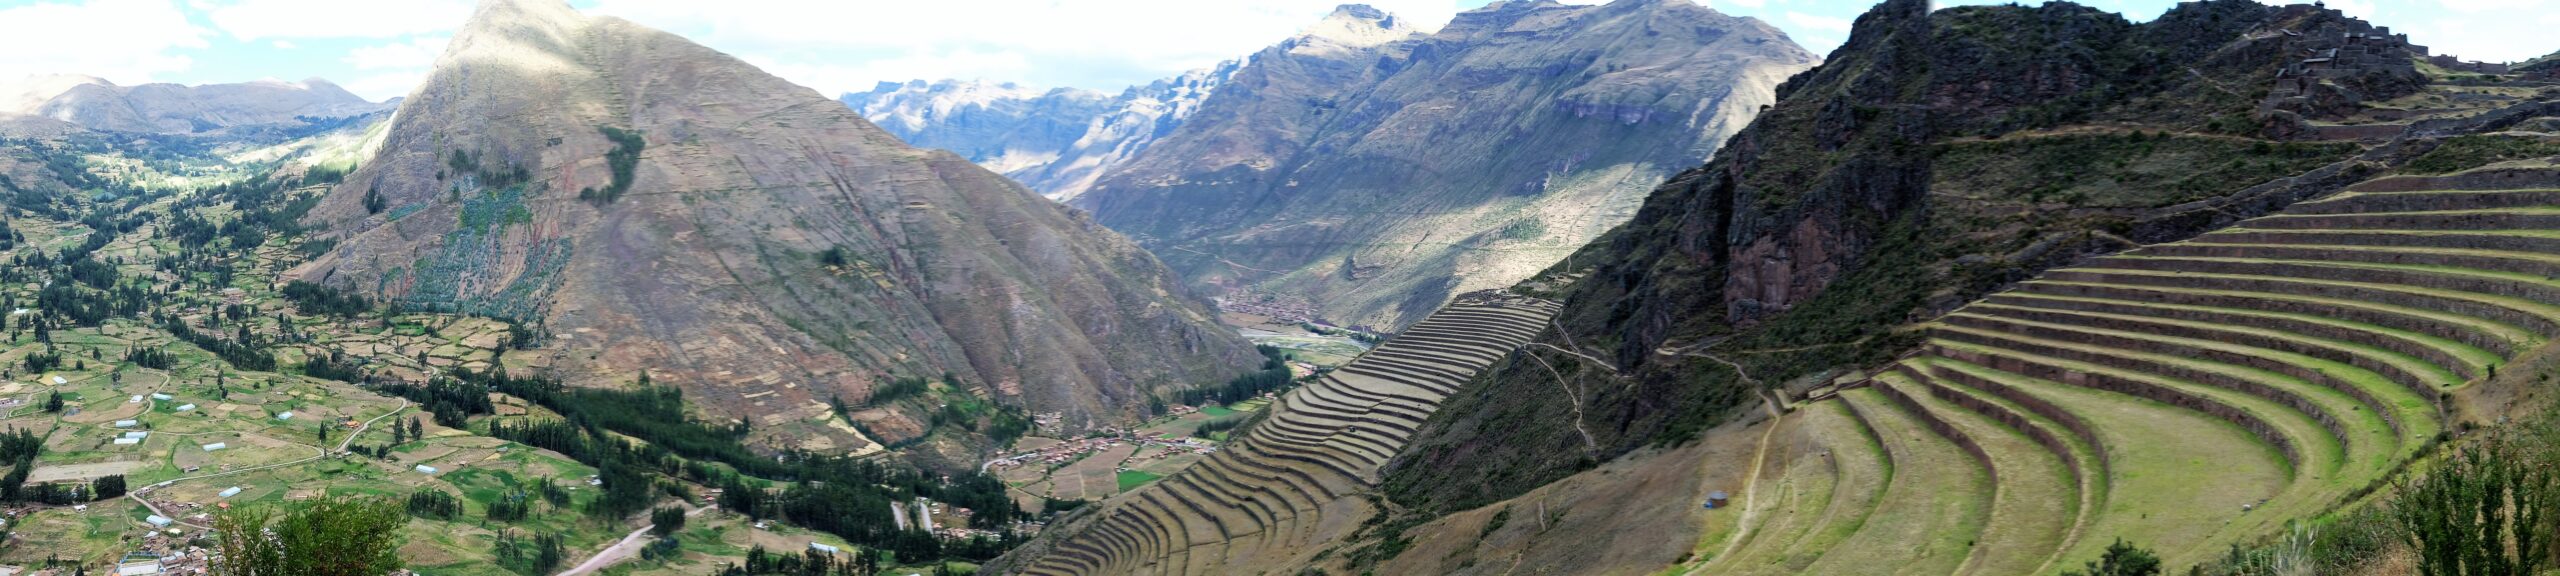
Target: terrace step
{"points": [[2532, 218], [2533, 318], [2370, 202], [2446, 362], [2035, 496], [1833, 480], [2312, 449], [2538, 241], [1934, 506], [2494, 338], [2169, 469], [2307, 359]]}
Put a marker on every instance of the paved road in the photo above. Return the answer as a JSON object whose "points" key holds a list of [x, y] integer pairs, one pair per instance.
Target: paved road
{"points": [[317, 453]]}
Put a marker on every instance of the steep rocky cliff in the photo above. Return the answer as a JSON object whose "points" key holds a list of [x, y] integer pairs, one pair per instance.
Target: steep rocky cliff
{"points": [[1373, 171], [1056, 142], [97, 104], [1934, 156], [655, 205]]}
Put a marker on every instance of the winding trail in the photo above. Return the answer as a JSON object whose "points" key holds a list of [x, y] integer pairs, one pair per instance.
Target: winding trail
{"points": [[1593, 446], [1750, 495]]}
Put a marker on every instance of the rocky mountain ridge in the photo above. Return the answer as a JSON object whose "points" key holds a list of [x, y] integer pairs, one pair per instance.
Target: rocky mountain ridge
{"points": [[1055, 141], [1373, 172], [96, 104], [651, 204]]}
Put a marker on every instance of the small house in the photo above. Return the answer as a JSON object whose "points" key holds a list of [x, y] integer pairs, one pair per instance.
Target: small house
{"points": [[137, 434], [127, 423], [186, 407], [425, 469], [230, 492], [216, 446], [285, 415], [157, 520], [1718, 499], [127, 441], [163, 397]]}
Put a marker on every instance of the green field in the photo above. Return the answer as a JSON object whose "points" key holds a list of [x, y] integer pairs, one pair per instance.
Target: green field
{"points": [[1134, 478]]}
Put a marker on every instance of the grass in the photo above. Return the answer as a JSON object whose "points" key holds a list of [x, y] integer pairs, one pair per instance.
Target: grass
{"points": [[2037, 500], [2473, 358], [2467, 151], [1825, 496], [1933, 510], [2173, 470], [1131, 479], [1216, 411], [2413, 413], [2323, 456], [2529, 306]]}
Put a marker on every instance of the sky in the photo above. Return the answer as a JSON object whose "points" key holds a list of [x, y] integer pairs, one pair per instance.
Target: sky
{"points": [[381, 48]]}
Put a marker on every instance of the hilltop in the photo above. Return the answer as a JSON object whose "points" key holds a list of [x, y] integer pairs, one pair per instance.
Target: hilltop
{"points": [[96, 104], [648, 204]]}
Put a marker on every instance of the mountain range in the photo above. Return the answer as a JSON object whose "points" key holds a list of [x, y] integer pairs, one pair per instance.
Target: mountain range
{"points": [[96, 104], [1364, 171], [654, 205]]}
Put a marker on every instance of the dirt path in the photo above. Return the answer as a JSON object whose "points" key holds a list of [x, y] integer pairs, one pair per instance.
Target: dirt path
{"points": [[623, 549], [1750, 494]]}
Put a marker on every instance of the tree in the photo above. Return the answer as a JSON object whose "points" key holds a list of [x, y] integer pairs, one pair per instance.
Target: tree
{"points": [[2122, 559], [53, 403], [666, 521], [2486, 511], [105, 487], [341, 536]]}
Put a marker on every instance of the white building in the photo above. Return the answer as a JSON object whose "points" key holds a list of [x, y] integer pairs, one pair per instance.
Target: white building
{"points": [[162, 397], [426, 469], [285, 415], [157, 520], [127, 423], [822, 548], [216, 446], [186, 407], [230, 492]]}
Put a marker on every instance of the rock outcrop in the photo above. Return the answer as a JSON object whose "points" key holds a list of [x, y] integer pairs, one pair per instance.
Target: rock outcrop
{"points": [[1935, 156], [1375, 171], [656, 205], [97, 104]]}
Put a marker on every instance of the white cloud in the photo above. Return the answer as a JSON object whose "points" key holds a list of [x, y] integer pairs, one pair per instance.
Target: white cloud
{"points": [[257, 19], [415, 53], [1142, 39], [379, 87], [2511, 6], [124, 41], [1745, 3], [283, 45], [1818, 23]]}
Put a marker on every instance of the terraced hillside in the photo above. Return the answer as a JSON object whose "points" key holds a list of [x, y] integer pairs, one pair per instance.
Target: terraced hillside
{"points": [[2185, 395], [1295, 477]]}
